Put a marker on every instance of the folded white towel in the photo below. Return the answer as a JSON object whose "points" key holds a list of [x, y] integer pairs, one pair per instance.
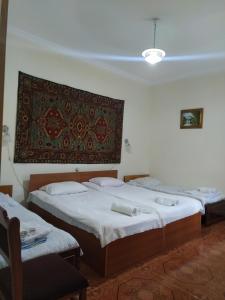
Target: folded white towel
{"points": [[166, 201], [125, 209], [207, 190], [35, 242], [26, 231], [30, 232]]}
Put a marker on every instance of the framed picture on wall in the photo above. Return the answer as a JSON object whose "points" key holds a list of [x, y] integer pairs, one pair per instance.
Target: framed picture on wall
{"points": [[191, 118]]}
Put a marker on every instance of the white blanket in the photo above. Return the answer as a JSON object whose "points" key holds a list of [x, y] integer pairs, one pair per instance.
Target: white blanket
{"points": [[146, 198], [204, 195], [58, 240], [91, 211], [205, 198]]}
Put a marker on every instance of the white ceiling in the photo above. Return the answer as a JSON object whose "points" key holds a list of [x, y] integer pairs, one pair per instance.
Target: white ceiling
{"points": [[113, 33]]}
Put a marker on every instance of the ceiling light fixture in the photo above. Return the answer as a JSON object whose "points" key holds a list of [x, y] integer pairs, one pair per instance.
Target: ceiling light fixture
{"points": [[153, 55]]}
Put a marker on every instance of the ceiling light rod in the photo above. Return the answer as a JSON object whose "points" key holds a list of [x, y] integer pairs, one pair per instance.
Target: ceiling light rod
{"points": [[153, 55], [154, 21]]}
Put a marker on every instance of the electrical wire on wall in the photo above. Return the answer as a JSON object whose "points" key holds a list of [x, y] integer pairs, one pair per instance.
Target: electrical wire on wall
{"points": [[5, 142]]}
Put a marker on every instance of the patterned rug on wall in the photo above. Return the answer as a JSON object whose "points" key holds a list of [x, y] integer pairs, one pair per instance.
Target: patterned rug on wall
{"points": [[61, 124], [194, 271]]}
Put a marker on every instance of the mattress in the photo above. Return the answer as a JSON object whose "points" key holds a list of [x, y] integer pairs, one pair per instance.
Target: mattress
{"points": [[186, 206], [57, 240], [91, 211]]}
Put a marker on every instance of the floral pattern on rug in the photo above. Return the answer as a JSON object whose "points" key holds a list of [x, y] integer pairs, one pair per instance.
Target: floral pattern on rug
{"points": [[60, 124]]}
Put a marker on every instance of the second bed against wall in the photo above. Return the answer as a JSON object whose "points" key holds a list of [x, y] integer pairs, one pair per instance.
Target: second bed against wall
{"points": [[214, 206]]}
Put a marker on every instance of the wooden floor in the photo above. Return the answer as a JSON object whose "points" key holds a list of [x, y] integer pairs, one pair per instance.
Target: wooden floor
{"points": [[194, 271]]}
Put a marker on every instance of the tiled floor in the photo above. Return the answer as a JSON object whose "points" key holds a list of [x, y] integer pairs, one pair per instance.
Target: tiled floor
{"points": [[191, 272]]}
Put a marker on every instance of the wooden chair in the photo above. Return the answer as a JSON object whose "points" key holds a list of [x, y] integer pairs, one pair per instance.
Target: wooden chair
{"points": [[47, 277]]}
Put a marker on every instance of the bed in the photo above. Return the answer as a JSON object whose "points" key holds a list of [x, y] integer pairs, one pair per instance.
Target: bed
{"points": [[123, 252], [58, 241], [213, 212], [181, 207]]}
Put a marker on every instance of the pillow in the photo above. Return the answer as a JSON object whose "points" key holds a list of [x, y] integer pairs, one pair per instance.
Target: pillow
{"points": [[148, 181], [7, 201], [106, 181], [63, 188]]}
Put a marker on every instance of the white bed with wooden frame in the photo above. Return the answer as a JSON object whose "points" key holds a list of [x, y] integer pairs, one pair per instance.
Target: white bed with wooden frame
{"points": [[214, 212], [124, 252], [63, 244]]}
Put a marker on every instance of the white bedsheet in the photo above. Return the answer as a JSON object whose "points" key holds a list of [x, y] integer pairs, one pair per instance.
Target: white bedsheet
{"points": [[57, 240], [204, 198], [186, 206], [91, 211]]}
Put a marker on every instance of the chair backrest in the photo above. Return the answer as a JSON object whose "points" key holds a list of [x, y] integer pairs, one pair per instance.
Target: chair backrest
{"points": [[10, 248]]}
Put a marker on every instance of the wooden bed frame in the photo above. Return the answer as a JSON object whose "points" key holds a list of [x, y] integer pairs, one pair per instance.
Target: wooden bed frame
{"points": [[214, 212], [124, 252], [72, 256], [6, 189]]}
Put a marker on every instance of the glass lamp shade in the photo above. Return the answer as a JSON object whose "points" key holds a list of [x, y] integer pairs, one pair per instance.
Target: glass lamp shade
{"points": [[153, 55]]}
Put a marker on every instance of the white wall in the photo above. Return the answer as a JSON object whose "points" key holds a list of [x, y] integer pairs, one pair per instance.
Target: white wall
{"points": [[190, 157], [151, 121], [21, 57]]}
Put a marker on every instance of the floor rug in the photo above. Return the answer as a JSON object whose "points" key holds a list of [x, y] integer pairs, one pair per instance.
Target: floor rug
{"points": [[194, 271]]}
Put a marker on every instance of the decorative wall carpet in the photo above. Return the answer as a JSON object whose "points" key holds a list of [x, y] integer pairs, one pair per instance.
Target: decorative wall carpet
{"points": [[194, 271], [61, 124]]}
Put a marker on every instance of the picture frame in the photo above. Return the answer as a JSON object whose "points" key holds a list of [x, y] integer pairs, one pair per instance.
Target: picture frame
{"points": [[191, 118]]}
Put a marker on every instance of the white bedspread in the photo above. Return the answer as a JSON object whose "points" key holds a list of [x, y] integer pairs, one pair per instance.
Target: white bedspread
{"points": [[203, 197], [91, 211], [186, 206], [57, 241]]}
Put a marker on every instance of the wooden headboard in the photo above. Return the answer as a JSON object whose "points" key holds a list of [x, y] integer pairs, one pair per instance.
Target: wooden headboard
{"points": [[131, 177], [6, 189], [38, 180]]}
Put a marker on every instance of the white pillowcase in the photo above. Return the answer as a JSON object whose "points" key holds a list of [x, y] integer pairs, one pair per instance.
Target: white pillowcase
{"points": [[106, 181], [63, 188], [145, 181]]}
